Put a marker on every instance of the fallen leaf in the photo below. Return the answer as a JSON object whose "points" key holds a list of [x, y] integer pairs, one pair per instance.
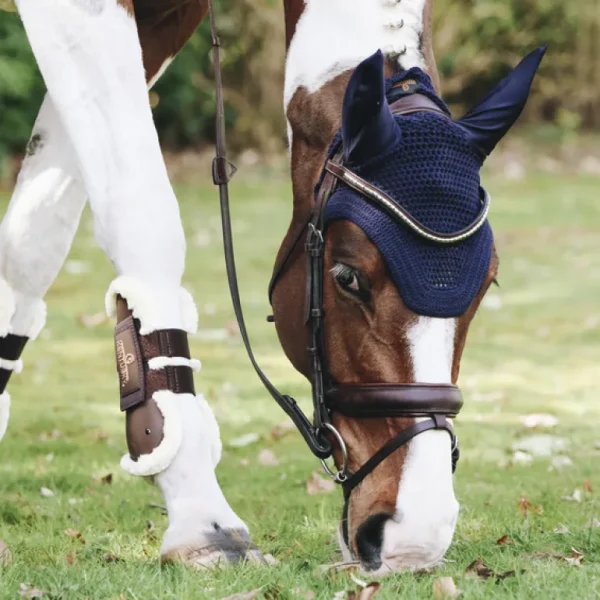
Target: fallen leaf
{"points": [[479, 569], [107, 479], [541, 444], [366, 593], [575, 497], [74, 535], [337, 567], [525, 507], [91, 321], [5, 555], [244, 595], [267, 458], [109, 557], [522, 458], [575, 559], [46, 492], [244, 440], [587, 486], [539, 421], [560, 462], [70, 558], [318, 485], [504, 540], [444, 587], [593, 523], [282, 430], [561, 529], [28, 591]]}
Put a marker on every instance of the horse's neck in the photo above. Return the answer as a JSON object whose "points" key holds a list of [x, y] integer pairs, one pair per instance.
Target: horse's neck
{"points": [[328, 40]]}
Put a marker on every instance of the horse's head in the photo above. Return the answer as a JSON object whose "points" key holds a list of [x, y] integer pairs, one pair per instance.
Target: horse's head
{"points": [[397, 296]]}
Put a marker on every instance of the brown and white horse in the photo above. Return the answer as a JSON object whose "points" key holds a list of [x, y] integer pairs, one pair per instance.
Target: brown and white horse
{"points": [[404, 513], [95, 138]]}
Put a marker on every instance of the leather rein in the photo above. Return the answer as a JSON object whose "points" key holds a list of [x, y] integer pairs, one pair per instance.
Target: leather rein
{"points": [[431, 405]]}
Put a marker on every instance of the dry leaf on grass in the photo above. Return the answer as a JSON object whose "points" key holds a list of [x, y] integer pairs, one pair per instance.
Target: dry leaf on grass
{"points": [[5, 555], [70, 558], [316, 484], [444, 587], [46, 492], [366, 593], [539, 421], [244, 595], [267, 458], [336, 568], [282, 429], [541, 444], [109, 557], [244, 440], [479, 569], [593, 523], [74, 535], [504, 540], [91, 321], [561, 529], [26, 590], [107, 479], [574, 559], [521, 458], [525, 507], [575, 497], [587, 486]]}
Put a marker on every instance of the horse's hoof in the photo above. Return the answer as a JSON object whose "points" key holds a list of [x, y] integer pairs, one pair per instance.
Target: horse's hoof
{"points": [[218, 549]]}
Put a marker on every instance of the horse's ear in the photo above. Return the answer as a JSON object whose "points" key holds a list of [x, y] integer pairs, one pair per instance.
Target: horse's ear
{"points": [[489, 121], [368, 126]]}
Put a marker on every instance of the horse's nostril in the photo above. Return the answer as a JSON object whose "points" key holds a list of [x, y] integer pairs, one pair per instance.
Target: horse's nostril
{"points": [[369, 540]]}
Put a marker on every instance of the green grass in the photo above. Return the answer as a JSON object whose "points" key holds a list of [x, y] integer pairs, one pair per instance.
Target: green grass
{"points": [[539, 353]]}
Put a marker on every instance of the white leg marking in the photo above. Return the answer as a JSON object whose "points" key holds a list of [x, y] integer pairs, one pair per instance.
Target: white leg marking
{"points": [[335, 35], [426, 508], [100, 93]]}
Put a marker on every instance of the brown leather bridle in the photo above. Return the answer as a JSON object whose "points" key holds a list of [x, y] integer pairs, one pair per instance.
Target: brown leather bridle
{"points": [[432, 405]]}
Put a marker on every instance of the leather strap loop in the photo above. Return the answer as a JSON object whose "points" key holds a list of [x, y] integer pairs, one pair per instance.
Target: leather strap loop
{"points": [[11, 347]]}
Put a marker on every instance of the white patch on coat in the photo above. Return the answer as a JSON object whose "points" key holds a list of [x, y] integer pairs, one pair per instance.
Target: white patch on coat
{"points": [[333, 36], [426, 507]]}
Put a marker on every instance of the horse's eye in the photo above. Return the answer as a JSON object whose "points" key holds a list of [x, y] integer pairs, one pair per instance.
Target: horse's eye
{"points": [[347, 278]]}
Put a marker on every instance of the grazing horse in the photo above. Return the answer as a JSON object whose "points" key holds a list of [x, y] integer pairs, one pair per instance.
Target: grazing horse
{"points": [[95, 137], [387, 258]]}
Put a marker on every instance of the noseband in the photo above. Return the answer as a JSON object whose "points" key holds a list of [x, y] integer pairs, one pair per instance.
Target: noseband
{"points": [[431, 405]]}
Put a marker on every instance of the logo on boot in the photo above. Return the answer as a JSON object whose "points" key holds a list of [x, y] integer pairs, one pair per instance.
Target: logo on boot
{"points": [[124, 359]]}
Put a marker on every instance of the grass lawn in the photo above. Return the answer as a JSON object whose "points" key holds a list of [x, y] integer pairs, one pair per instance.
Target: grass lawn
{"points": [[534, 347]]}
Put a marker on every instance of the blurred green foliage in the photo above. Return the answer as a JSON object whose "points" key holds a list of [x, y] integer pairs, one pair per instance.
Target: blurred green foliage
{"points": [[477, 41]]}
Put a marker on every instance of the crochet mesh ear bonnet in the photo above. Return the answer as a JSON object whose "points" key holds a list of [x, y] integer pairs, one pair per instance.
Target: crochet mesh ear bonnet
{"points": [[428, 164]]}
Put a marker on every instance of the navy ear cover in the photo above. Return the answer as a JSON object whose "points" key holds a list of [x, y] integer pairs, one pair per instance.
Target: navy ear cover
{"points": [[368, 126], [488, 122]]}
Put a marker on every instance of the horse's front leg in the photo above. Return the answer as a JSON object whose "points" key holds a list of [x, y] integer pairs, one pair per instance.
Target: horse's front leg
{"points": [[90, 57]]}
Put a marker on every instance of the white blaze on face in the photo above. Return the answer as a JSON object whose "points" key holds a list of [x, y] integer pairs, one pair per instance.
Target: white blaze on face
{"points": [[426, 508]]}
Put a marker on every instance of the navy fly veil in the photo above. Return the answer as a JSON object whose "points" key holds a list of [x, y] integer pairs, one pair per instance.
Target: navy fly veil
{"points": [[429, 165]]}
